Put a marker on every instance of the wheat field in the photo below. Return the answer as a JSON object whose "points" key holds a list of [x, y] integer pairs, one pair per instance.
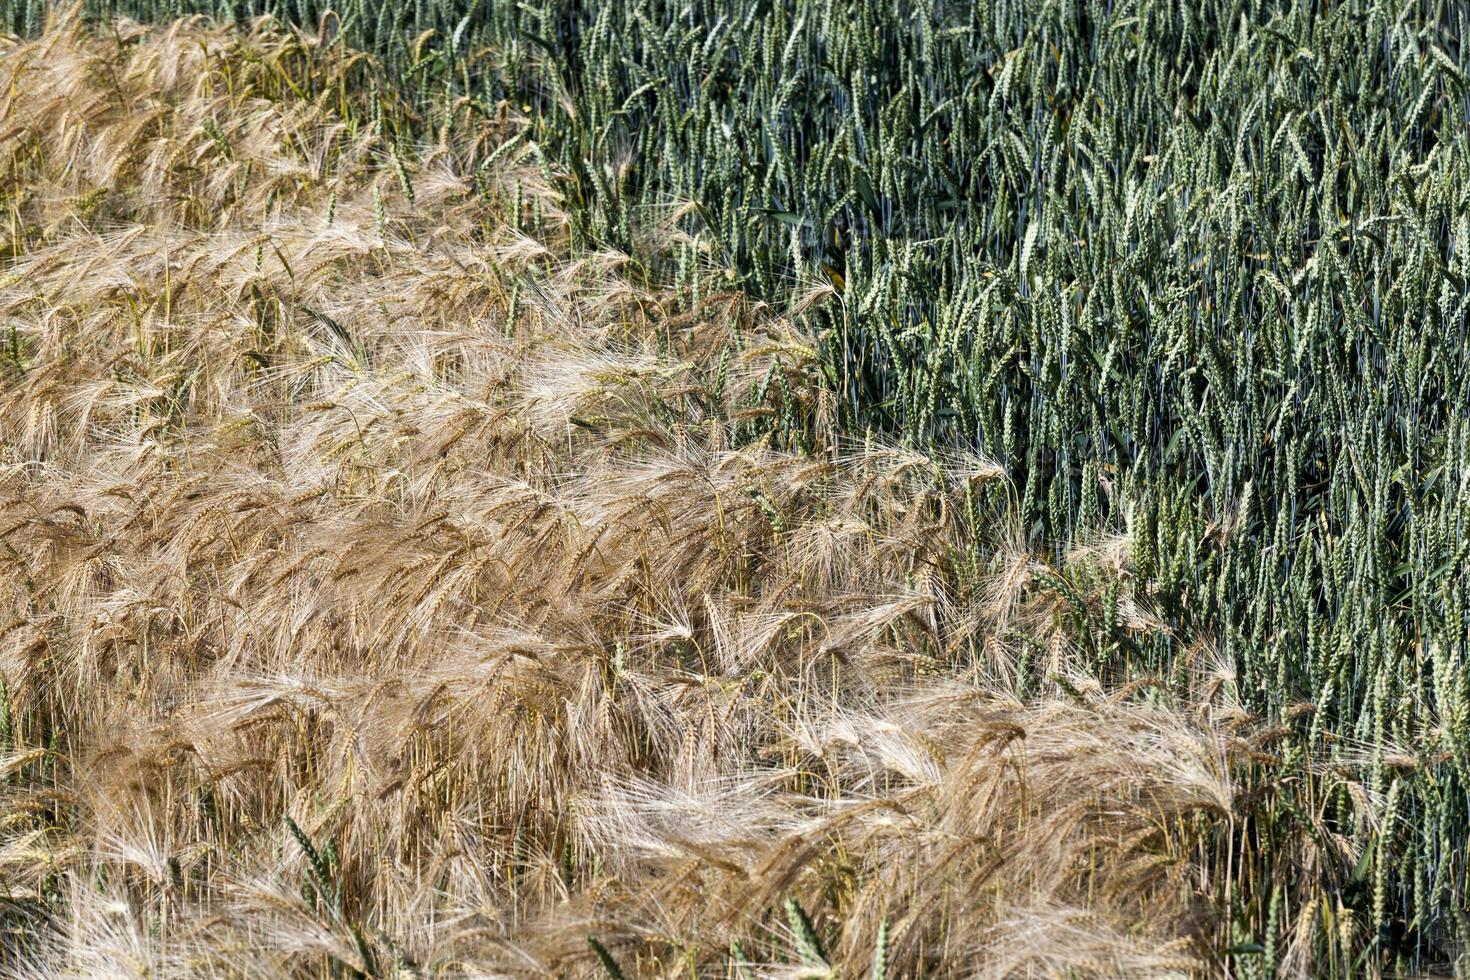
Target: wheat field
{"points": [[396, 586]]}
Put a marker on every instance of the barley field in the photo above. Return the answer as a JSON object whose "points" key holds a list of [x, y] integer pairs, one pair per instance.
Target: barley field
{"points": [[742, 488]]}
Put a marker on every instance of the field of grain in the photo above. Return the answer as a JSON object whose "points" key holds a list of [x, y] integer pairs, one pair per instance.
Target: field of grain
{"points": [[444, 538]]}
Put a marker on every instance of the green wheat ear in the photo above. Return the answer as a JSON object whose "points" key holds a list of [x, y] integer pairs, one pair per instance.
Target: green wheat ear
{"points": [[738, 959], [808, 943], [401, 171], [6, 734], [880, 952], [609, 965]]}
